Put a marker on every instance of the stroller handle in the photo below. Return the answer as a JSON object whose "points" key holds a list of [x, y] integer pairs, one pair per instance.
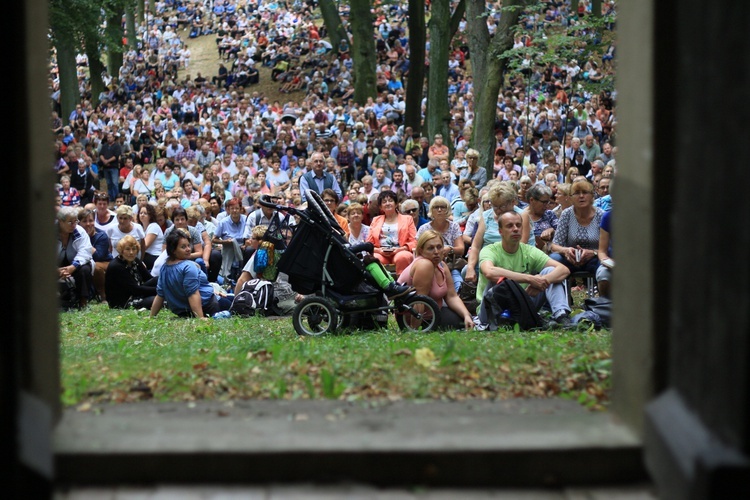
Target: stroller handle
{"points": [[266, 201], [365, 246]]}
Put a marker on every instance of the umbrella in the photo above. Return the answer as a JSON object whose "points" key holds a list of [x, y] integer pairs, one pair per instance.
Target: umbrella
{"points": [[289, 118]]}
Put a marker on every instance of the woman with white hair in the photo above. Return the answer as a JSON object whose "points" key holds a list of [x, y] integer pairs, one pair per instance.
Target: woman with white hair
{"points": [[543, 219], [473, 171], [125, 226], [411, 207], [74, 254]]}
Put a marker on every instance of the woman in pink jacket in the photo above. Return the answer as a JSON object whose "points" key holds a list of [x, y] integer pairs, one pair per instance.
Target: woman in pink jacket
{"points": [[393, 235]]}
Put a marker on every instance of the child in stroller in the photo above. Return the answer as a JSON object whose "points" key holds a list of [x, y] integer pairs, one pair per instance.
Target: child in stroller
{"points": [[341, 287]]}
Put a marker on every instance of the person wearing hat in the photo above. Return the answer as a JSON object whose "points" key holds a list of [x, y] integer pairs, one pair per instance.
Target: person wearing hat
{"points": [[581, 162]]}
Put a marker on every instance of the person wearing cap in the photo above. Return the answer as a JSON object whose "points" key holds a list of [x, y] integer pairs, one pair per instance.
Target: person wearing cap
{"points": [[581, 162]]}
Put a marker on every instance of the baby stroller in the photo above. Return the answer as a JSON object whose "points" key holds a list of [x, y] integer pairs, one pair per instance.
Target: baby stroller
{"points": [[320, 263]]}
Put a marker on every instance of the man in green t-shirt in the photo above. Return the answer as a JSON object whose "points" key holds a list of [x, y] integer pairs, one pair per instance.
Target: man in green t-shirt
{"points": [[542, 277]]}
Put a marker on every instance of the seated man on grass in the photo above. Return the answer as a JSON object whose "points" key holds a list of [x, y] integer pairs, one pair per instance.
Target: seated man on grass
{"points": [[542, 277]]}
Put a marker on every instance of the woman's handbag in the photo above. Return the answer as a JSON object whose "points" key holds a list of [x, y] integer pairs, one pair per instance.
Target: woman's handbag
{"points": [[467, 292], [455, 262]]}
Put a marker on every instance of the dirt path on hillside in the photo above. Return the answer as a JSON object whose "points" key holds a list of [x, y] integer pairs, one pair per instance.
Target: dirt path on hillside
{"points": [[204, 58]]}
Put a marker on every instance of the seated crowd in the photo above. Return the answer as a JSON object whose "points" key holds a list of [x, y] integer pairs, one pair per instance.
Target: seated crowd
{"points": [[183, 169]]}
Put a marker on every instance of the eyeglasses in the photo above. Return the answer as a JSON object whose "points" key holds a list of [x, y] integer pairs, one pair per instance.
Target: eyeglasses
{"points": [[502, 208], [543, 202], [412, 211], [440, 208]]}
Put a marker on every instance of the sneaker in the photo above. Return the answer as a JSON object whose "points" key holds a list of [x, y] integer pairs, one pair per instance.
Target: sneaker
{"points": [[561, 322], [395, 290]]}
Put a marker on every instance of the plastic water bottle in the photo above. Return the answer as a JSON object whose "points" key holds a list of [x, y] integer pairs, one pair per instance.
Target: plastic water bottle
{"points": [[222, 314]]}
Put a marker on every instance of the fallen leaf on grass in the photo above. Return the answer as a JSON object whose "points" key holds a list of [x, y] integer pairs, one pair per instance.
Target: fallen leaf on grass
{"points": [[262, 355], [403, 352], [200, 366], [424, 357]]}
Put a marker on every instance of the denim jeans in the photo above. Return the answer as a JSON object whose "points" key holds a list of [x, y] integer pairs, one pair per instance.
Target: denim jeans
{"points": [[112, 176]]}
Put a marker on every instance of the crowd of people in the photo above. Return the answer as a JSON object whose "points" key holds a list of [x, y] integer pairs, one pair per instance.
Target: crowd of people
{"points": [[191, 157]]}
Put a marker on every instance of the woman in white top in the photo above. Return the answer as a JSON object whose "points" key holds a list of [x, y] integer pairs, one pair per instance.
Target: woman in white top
{"points": [[125, 225], [357, 231], [154, 222], [142, 183]]}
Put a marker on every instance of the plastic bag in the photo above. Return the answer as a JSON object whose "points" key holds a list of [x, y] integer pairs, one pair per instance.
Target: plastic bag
{"points": [[261, 260]]}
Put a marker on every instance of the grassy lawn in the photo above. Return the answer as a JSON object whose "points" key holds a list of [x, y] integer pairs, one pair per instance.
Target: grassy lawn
{"points": [[123, 356]]}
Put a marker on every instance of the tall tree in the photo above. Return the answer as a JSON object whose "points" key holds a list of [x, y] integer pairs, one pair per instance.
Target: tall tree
{"points": [[115, 34], [489, 62], [438, 109], [415, 80], [335, 28], [596, 8], [132, 34], [96, 67], [364, 54], [443, 26], [72, 24]]}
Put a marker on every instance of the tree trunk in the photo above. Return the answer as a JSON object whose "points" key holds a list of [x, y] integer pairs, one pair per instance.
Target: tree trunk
{"points": [[140, 7], [479, 41], [70, 95], [456, 17], [438, 111], [114, 44], [485, 106], [415, 80], [488, 71], [94, 54], [336, 32], [596, 8], [132, 34], [363, 51]]}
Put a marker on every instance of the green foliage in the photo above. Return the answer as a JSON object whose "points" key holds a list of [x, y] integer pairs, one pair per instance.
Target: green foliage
{"points": [[554, 43], [125, 356], [83, 19]]}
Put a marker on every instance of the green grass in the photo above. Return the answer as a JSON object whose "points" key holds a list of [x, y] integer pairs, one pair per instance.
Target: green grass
{"points": [[123, 356]]}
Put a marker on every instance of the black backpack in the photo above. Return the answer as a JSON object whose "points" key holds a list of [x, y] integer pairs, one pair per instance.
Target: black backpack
{"points": [[507, 303], [256, 297]]}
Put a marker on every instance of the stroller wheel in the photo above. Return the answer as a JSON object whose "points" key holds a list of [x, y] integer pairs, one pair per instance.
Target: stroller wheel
{"points": [[315, 316], [417, 313]]}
